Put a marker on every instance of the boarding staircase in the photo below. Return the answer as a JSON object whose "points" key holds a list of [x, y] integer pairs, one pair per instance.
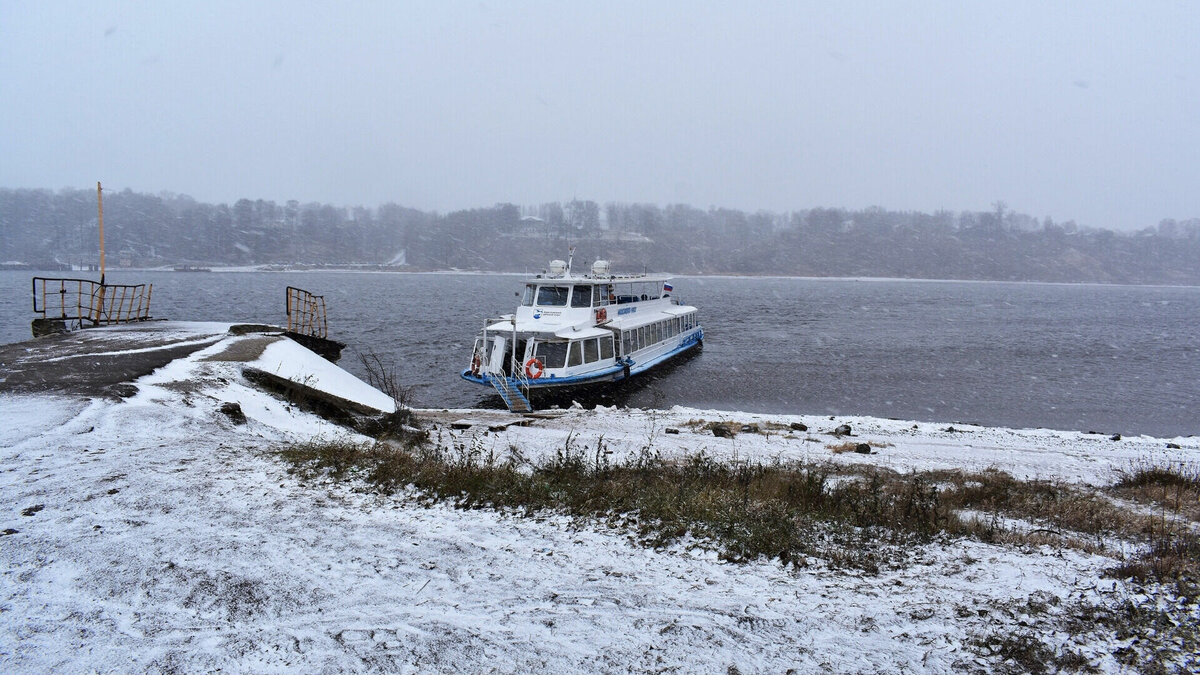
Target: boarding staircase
{"points": [[513, 398]]}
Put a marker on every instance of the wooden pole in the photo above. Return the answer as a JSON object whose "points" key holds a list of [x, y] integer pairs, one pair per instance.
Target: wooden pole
{"points": [[99, 309], [100, 207]]}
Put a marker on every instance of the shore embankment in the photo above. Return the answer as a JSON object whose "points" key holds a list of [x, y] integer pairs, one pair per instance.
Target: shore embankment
{"points": [[147, 526]]}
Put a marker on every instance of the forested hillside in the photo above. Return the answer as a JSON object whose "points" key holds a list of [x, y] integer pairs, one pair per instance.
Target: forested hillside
{"points": [[51, 230]]}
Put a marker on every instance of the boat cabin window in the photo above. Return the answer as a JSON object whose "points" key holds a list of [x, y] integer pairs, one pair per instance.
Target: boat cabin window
{"points": [[527, 299], [552, 354], [636, 291], [606, 348], [581, 297], [576, 357], [651, 334], [553, 296], [591, 350], [603, 295]]}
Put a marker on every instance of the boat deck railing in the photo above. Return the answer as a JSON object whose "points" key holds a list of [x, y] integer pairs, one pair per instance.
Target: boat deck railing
{"points": [[83, 302]]}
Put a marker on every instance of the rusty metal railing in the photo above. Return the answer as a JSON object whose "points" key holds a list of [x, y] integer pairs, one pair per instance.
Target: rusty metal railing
{"points": [[306, 313], [83, 302]]}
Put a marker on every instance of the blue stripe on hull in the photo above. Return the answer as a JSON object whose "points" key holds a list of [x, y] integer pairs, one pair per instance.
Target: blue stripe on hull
{"points": [[608, 375]]}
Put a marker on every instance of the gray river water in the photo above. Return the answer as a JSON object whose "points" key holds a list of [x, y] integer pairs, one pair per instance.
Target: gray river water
{"points": [[1115, 359]]}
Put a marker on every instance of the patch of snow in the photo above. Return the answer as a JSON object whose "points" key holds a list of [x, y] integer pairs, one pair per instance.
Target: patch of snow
{"points": [[1025, 453], [138, 350], [297, 363]]}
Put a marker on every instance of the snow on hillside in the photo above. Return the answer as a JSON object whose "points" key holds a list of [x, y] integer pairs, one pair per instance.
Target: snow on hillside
{"points": [[155, 533]]}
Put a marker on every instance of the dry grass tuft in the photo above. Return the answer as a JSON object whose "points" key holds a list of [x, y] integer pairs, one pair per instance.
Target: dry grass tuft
{"points": [[1172, 554], [1173, 488], [782, 510], [1052, 504]]}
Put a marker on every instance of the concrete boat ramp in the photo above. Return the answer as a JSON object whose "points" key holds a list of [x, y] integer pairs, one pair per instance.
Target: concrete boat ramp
{"points": [[100, 361], [107, 362]]}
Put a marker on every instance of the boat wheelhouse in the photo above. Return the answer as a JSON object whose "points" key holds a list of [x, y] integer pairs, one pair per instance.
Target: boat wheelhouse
{"points": [[576, 330]]}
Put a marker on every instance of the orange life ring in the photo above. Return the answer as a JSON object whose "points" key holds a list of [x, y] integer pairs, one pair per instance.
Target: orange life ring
{"points": [[601, 315], [534, 368], [475, 363]]}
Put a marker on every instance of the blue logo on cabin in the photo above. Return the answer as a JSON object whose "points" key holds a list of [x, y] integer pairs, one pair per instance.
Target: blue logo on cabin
{"points": [[626, 310], [537, 314]]}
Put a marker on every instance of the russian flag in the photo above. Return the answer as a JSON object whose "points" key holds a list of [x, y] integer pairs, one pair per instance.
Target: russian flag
{"points": [[668, 288]]}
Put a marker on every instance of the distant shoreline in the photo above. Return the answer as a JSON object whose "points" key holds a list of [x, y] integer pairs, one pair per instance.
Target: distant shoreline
{"points": [[272, 269]]}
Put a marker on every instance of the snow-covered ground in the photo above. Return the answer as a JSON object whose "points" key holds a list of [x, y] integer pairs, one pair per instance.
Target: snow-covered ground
{"points": [[1093, 459], [161, 535]]}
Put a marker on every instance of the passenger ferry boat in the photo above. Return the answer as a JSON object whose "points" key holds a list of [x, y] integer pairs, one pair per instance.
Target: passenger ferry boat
{"points": [[575, 330]]}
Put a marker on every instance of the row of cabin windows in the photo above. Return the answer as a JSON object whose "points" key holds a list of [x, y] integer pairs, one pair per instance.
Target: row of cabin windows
{"points": [[584, 295], [653, 333], [577, 353]]}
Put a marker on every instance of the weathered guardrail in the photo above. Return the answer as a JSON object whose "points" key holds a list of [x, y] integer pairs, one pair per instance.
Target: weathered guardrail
{"points": [[306, 313], [79, 303], [307, 325]]}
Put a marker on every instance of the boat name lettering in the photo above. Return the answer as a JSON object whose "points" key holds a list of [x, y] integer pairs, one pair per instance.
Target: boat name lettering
{"points": [[626, 310]]}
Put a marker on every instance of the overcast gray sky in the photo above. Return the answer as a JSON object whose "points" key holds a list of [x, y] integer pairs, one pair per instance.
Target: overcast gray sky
{"points": [[1088, 111]]}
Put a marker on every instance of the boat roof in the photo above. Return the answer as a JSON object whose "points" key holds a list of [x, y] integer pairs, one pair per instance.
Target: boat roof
{"points": [[630, 321], [581, 330], [573, 333], [594, 280]]}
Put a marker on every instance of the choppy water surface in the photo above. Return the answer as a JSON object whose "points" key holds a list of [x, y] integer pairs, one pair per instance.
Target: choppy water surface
{"points": [[1108, 358]]}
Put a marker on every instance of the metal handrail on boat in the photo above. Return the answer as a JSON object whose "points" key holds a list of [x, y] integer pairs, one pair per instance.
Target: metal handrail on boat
{"points": [[513, 386]]}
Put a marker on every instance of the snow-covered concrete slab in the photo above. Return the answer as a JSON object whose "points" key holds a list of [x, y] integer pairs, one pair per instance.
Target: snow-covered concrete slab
{"points": [[96, 361], [297, 364]]}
